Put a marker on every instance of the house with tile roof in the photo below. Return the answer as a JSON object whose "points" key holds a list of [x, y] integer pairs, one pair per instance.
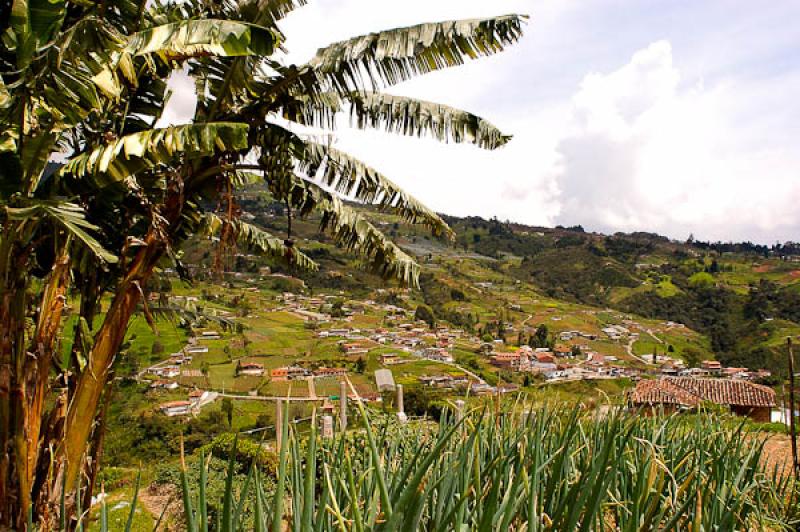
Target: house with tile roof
{"points": [[672, 394]]}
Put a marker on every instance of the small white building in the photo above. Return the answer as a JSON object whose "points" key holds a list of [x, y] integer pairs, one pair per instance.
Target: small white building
{"points": [[384, 380], [167, 372], [164, 385], [195, 349], [200, 398], [251, 368], [176, 408]]}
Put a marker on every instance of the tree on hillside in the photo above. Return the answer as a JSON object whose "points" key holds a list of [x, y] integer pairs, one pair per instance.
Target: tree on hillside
{"points": [[337, 310], [360, 365], [692, 356], [424, 313], [541, 338], [157, 348], [227, 409], [701, 280]]}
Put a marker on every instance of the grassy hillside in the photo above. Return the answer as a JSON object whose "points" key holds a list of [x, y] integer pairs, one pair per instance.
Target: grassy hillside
{"points": [[729, 293]]}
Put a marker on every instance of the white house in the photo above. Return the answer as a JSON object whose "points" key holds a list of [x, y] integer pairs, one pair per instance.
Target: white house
{"points": [[199, 398], [195, 349], [167, 372], [384, 380], [176, 408], [164, 385], [251, 368]]}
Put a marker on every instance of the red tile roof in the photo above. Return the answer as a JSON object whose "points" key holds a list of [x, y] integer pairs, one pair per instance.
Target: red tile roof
{"points": [[688, 391], [728, 392], [659, 392]]}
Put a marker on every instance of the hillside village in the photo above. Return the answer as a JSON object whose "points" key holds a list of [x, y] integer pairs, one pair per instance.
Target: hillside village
{"points": [[364, 340]]}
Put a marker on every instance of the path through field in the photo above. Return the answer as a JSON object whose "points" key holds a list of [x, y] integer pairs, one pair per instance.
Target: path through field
{"points": [[778, 451]]}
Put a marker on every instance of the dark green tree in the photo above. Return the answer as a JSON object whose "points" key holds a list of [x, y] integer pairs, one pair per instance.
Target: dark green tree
{"points": [[424, 313], [541, 337], [227, 409], [360, 365]]}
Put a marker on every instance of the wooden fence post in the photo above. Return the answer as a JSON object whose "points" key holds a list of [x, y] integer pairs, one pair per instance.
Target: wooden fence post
{"points": [[792, 429], [327, 427], [278, 425], [460, 404], [401, 412], [343, 405], [400, 407]]}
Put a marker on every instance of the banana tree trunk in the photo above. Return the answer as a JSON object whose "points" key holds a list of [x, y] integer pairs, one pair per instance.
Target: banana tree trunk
{"points": [[35, 377], [24, 375], [107, 341], [13, 290], [90, 300], [80, 417], [96, 454]]}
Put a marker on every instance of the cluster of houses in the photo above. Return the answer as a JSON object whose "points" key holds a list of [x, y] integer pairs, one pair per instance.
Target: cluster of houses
{"points": [[669, 367], [566, 336], [437, 354], [561, 362], [445, 381], [616, 332], [407, 337], [171, 368], [410, 337], [311, 309], [169, 371], [319, 308], [197, 399], [554, 365], [462, 382]]}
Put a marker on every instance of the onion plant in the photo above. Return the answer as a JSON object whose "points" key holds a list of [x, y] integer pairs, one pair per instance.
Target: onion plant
{"points": [[548, 469]]}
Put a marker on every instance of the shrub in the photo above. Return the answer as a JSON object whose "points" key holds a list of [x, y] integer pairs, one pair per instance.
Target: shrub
{"points": [[157, 348], [246, 451]]}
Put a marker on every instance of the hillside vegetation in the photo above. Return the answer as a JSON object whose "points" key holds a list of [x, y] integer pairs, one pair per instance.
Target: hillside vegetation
{"points": [[743, 298]]}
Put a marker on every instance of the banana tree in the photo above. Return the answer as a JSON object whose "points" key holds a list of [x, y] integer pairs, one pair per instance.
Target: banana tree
{"points": [[87, 81], [75, 76]]}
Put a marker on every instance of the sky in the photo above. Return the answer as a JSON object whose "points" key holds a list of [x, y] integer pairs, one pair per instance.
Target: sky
{"points": [[675, 116]]}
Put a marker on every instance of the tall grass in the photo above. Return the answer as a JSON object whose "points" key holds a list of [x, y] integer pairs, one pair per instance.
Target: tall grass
{"points": [[552, 469], [499, 469]]}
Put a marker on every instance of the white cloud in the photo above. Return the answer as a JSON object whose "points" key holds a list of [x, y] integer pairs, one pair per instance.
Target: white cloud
{"points": [[181, 106], [644, 152]]}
